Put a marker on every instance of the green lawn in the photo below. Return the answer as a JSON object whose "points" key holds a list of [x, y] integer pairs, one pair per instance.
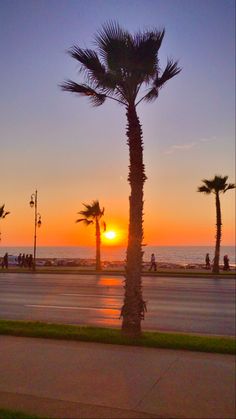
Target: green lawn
{"points": [[224, 345]]}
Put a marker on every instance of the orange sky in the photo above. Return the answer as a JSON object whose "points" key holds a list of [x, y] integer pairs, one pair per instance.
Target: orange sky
{"points": [[164, 224]]}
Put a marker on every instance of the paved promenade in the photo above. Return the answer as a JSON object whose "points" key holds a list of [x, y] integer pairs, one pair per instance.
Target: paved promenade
{"points": [[62, 379]]}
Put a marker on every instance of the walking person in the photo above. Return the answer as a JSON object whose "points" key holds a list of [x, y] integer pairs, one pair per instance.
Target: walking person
{"points": [[153, 263], [27, 261], [208, 262], [30, 261], [23, 260], [226, 263], [19, 259], [5, 261]]}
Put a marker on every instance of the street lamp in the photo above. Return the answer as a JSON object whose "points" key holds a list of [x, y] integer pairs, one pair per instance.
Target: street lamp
{"points": [[37, 222]]}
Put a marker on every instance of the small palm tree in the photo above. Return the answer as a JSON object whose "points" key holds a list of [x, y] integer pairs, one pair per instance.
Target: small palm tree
{"points": [[92, 215], [216, 186], [3, 214], [126, 69]]}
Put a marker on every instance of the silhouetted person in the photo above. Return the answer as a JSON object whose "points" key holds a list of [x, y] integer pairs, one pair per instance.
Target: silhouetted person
{"points": [[27, 261], [30, 261], [153, 263], [208, 262], [23, 260], [226, 263], [5, 261], [19, 259]]}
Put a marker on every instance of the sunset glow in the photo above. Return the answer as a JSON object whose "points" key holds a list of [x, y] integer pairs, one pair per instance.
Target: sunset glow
{"points": [[110, 235], [111, 238]]}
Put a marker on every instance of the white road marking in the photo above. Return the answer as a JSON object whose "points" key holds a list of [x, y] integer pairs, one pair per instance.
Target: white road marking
{"points": [[70, 308]]}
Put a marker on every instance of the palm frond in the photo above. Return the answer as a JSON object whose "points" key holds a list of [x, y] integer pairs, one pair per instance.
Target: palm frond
{"points": [[116, 47], [149, 40], [209, 183], [151, 95], [120, 66], [92, 210], [88, 213], [97, 211], [96, 98], [2, 210], [110, 35], [93, 68], [3, 214], [170, 71], [88, 58], [218, 184], [147, 45], [85, 221], [230, 186], [204, 189]]}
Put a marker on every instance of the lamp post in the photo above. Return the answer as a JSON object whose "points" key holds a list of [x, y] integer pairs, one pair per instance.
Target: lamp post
{"points": [[37, 222]]}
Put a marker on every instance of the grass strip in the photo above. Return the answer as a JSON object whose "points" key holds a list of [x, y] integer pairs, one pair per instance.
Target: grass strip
{"points": [[15, 414], [213, 344]]}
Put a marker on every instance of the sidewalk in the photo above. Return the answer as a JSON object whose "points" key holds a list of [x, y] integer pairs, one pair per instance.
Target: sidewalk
{"points": [[62, 379]]}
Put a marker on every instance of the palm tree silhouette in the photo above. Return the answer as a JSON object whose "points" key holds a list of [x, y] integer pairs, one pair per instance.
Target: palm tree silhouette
{"points": [[217, 185], [126, 69], [3, 214], [92, 215]]}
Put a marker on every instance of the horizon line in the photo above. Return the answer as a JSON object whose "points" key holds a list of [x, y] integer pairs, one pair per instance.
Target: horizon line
{"points": [[112, 246]]}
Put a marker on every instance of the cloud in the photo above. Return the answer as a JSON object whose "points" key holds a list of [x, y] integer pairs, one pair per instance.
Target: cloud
{"points": [[175, 147], [187, 146]]}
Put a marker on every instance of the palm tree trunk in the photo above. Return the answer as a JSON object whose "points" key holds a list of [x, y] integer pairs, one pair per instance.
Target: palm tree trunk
{"points": [[216, 268], [98, 246], [134, 306]]}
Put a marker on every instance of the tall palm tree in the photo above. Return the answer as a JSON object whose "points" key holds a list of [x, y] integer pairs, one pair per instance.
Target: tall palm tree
{"points": [[3, 214], [92, 215], [217, 185], [125, 68]]}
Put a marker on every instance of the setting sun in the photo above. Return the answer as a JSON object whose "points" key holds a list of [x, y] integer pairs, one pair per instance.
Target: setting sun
{"points": [[110, 235], [114, 236]]}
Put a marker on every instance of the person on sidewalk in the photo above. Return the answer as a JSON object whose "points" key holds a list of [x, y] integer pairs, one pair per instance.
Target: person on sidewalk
{"points": [[30, 261], [153, 263], [19, 259], [23, 260], [226, 263], [5, 261], [208, 262]]}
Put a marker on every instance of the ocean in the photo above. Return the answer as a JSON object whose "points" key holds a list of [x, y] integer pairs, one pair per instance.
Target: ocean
{"points": [[168, 254]]}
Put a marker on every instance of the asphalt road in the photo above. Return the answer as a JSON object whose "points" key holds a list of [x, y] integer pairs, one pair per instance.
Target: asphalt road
{"points": [[196, 305]]}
